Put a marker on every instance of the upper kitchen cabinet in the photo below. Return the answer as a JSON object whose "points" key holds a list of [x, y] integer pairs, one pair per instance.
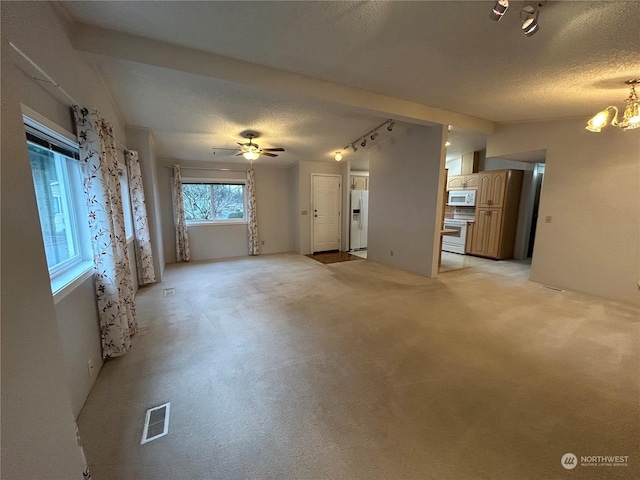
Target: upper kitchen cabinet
{"points": [[463, 182], [359, 182], [493, 186]]}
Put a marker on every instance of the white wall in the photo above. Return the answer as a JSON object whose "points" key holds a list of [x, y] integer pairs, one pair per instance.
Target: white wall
{"points": [[38, 427], [141, 140], [591, 189], [405, 199], [206, 242]]}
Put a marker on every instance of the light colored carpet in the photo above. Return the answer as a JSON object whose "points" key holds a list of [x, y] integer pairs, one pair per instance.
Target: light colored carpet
{"points": [[280, 367]]}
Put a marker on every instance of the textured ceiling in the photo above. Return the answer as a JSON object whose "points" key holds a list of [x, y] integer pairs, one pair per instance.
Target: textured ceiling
{"points": [[442, 54]]}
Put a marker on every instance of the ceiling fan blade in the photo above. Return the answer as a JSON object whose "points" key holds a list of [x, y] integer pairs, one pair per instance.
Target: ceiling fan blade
{"points": [[267, 154], [279, 149], [238, 154], [230, 149]]}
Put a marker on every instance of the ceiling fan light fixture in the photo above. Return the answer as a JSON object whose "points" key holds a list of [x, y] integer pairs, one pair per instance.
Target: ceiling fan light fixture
{"points": [[499, 9], [251, 155], [337, 157]]}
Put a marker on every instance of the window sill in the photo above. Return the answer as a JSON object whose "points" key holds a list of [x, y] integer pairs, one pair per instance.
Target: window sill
{"points": [[209, 224], [65, 283]]}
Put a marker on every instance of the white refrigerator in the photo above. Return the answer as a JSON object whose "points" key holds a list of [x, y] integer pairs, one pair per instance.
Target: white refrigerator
{"points": [[359, 219]]}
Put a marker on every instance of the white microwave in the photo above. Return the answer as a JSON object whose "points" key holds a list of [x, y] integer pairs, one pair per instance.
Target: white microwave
{"points": [[462, 198]]}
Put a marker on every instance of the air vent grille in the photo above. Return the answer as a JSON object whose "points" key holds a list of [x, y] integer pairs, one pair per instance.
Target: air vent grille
{"points": [[156, 423]]}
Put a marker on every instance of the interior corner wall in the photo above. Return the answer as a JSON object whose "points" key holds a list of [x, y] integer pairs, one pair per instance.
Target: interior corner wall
{"points": [[405, 198], [38, 428], [305, 169], [141, 140], [591, 191]]}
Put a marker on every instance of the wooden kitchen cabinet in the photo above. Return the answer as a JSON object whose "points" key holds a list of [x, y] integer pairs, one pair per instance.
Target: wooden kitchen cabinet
{"points": [[463, 182], [497, 205], [359, 182], [487, 233], [492, 187]]}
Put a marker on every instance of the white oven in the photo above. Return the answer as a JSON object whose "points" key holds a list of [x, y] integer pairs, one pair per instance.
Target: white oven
{"points": [[455, 242], [462, 198]]}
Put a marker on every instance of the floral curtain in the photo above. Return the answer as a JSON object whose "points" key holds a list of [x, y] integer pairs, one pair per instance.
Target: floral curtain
{"points": [[252, 217], [182, 236], [144, 257], [114, 284]]}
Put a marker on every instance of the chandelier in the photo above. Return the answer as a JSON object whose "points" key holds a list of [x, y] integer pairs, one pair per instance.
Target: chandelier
{"points": [[630, 118]]}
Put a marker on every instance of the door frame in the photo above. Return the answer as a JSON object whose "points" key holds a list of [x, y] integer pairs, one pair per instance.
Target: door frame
{"points": [[311, 202]]}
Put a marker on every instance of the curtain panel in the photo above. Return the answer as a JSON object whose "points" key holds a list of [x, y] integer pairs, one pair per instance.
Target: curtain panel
{"points": [[144, 256], [182, 235], [114, 283], [252, 217]]}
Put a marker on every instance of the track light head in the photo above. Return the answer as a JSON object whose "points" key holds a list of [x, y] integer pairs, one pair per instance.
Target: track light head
{"points": [[353, 147], [499, 9], [363, 143], [529, 17], [390, 126], [374, 135]]}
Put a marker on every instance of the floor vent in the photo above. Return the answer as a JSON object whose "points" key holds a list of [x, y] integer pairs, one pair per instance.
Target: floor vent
{"points": [[156, 423], [169, 291]]}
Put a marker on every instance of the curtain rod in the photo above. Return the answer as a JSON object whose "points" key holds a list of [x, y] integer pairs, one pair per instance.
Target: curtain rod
{"points": [[51, 81], [207, 168]]}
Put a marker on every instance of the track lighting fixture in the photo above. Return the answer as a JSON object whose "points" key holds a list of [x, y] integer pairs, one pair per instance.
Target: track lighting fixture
{"points": [[630, 117], [529, 17], [372, 135], [499, 9], [337, 156]]}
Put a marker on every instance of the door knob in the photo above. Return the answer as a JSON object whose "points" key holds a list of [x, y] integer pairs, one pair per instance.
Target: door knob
{"points": [[315, 215]]}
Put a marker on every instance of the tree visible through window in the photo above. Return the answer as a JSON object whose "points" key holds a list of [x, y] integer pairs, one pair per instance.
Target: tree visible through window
{"points": [[213, 202], [51, 172]]}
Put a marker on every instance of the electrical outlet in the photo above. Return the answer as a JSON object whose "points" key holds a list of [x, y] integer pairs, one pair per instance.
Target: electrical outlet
{"points": [[547, 219], [391, 253], [90, 367]]}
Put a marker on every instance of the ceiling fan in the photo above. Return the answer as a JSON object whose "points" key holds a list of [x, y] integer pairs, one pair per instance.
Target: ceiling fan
{"points": [[250, 150]]}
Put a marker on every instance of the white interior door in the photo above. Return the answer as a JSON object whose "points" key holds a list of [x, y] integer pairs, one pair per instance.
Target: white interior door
{"points": [[326, 212]]}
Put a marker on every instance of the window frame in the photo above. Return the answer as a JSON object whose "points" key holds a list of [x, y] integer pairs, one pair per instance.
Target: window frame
{"points": [[218, 181], [65, 275]]}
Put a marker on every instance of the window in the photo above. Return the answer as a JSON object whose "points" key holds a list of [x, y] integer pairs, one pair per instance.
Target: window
{"points": [[217, 202], [126, 204], [57, 182]]}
